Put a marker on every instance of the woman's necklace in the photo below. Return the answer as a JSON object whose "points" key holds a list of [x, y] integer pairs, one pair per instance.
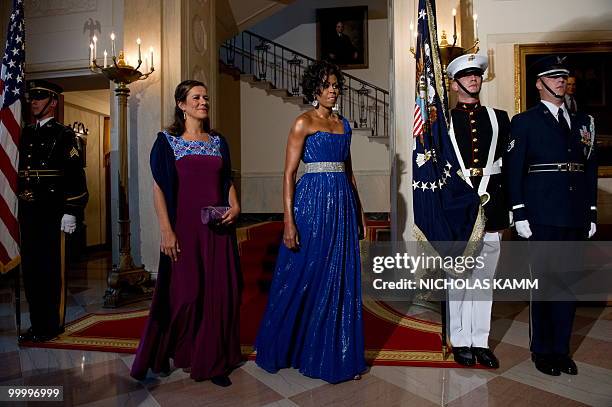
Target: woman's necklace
{"points": [[196, 137]]}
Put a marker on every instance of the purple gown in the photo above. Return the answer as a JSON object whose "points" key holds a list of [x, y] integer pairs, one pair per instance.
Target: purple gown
{"points": [[202, 331]]}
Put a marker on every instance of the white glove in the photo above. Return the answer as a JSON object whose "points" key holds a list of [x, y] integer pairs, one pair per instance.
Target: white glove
{"points": [[68, 223], [592, 230], [523, 229]]}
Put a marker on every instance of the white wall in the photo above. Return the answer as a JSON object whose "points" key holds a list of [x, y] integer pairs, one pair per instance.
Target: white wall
{"points": [[295, 27], [303, 39], [56, 35], [502, 24], [96, 100]]}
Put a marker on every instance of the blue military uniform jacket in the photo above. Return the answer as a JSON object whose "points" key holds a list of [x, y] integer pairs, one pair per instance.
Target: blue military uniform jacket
{"points": [[553, 198]]}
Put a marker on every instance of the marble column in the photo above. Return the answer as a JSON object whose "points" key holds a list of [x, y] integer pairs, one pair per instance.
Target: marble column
{"points": [[402, 77]]}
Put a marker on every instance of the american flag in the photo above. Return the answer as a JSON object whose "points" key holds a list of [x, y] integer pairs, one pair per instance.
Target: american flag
{"points": [[12, 89], [446, 208]]}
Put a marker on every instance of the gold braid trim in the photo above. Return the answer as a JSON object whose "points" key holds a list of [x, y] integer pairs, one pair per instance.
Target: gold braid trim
{"points": [[376, 309], [435, 57], [74, 198], [5, 268]]}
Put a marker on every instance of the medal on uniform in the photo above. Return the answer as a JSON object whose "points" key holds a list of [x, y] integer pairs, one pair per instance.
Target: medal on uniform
{"points": [[585, 136]]}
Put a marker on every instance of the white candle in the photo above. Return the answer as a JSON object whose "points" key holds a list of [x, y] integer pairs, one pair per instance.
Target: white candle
{"points": [[91, 53], [476, 26], [151, 50], [95, 43], [138, 42], [113, 53], [454, 22], [105, 61]]}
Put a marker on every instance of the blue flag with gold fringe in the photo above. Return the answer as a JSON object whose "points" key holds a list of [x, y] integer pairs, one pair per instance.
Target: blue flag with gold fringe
{"points": [[446, 208]]}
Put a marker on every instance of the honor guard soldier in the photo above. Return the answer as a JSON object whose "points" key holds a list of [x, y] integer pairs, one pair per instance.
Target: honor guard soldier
{"points": [[552, 180], [479, 136], [52, 194]]}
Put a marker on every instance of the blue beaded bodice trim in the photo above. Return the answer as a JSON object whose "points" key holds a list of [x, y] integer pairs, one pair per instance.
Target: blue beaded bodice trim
{"points": [[183, 148]]}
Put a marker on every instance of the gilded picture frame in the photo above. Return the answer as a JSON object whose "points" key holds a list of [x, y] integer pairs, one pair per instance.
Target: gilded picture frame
{"points": [[591, 63]]}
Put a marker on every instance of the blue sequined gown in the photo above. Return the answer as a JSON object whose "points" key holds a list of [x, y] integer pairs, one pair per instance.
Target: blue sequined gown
{"points": [[313, 319]]}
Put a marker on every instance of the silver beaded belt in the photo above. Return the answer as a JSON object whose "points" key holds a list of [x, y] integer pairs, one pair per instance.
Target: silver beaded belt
{"points": [[325, 166]]}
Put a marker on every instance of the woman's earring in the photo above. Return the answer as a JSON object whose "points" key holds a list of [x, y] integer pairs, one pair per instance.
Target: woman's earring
{"points": [[336, 108], [184, 115], [315, 103]]}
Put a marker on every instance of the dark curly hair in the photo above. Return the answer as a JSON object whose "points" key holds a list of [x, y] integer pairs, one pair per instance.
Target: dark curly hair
{"points": [[180, 95], [316, 75]]}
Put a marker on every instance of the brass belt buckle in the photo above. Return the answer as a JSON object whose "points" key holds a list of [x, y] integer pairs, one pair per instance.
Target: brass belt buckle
{"points": [[476, 172], [27, 195], [572, 167]]}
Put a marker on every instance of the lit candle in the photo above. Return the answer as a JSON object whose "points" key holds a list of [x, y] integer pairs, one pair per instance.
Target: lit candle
{"points": [[91, 53], [138, 42], [95, 49], [476, 26], [454, 23], [113, 53], [105, 61], [151, 50]]}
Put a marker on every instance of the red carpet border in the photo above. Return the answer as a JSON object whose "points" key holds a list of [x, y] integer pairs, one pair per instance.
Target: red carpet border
{"points": [[390, 337]]}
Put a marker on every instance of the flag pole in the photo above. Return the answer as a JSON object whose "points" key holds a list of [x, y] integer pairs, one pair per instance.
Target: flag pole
{"points": [[18, 299]]}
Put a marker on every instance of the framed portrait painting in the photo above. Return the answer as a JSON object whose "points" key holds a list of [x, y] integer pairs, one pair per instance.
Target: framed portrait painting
{"points": [[590, 65], [342, 36]]}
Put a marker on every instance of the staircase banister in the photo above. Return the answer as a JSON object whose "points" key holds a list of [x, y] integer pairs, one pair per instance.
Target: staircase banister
{"points": [[296, 53]]}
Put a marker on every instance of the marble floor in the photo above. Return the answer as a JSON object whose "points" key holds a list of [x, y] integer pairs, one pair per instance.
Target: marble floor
{"points": [[102, 379]]}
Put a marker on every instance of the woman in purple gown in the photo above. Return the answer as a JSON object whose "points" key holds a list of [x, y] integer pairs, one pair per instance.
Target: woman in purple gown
{"points": [[194, 316]]}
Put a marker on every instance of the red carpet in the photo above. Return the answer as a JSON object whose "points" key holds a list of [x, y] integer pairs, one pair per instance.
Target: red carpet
{"points": [[390, 337]]}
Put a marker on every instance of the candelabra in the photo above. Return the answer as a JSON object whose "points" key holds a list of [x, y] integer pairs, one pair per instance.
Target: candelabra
{"points": [[126, 282]]}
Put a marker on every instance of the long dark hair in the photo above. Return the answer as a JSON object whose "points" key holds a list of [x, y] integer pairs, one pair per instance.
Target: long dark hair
{"points": [[316, 75], [177, 128]]}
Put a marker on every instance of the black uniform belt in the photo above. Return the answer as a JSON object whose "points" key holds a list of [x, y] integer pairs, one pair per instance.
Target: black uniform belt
{"points": [[554, 167], [40, 173]]}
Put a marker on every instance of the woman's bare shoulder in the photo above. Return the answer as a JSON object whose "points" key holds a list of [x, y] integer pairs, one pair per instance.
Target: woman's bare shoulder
{"points": [[302, 124]]}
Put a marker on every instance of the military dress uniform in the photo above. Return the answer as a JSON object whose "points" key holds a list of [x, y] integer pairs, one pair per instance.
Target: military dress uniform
{"points": [[552, 184], [51, 184], [479, 136], [470, 318]]}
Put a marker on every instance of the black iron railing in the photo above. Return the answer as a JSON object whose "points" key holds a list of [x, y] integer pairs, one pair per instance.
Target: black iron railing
{"points": [[364, 104]]}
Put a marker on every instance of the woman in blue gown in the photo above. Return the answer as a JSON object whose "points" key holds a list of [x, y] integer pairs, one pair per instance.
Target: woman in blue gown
{"points": [[313, 320]]}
